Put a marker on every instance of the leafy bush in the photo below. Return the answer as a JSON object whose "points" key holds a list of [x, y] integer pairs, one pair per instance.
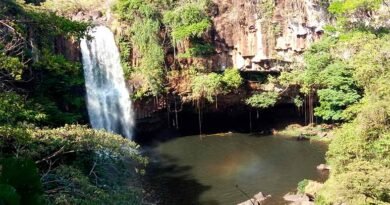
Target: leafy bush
{"points": [[130, 10], [78, 165], [187, 20], [232, 79], [359, 153], [20, 182], [198, 50], [69, 7], [211, 85], [206, 86], [14, 109], [263, 100], [8, 195]]}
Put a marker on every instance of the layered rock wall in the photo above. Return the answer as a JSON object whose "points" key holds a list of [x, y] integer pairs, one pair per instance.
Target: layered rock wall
{"points": [[246, 38]]}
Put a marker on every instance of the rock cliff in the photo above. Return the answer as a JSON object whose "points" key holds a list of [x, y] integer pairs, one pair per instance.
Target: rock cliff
{"points": [[255, 34], [247, 34]]}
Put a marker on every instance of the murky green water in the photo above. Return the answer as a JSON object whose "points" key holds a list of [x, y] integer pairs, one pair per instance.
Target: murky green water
{"points": [[205, 171]]}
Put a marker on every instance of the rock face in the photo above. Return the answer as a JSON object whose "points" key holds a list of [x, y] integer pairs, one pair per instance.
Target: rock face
{"points": [[69, 47], [249, 35]]}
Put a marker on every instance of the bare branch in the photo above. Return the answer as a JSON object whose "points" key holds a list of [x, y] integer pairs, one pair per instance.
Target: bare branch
{"points": [[51, 156]]}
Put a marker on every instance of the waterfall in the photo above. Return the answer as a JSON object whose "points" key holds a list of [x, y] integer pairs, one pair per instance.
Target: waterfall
{"points": [[108, 100]]}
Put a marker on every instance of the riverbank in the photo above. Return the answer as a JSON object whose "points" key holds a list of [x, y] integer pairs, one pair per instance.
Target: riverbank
{"points": [[321, 132]]}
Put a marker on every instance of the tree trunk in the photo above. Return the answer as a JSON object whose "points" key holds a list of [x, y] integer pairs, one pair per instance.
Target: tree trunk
{"points": [[168, 112], [250, 120], [305, 109], [216, 102], [176, 116], [199, 118]]}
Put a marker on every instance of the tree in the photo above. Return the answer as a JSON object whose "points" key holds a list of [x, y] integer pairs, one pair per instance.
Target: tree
{"points": [[261, 101]]}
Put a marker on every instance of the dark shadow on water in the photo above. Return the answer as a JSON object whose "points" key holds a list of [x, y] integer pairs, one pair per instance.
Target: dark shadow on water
{"points": [[229, 120], [171, 184]]}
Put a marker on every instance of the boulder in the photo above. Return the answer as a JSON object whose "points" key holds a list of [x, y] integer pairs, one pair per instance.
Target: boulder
{"points": [[302, 203], [96, 14], [323, 134], [323, 167], [296, 197], [312, 188], [257, 199], [302, 138]]}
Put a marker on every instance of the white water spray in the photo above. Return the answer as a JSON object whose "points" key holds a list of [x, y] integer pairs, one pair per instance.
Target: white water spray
{"points": [[108, 101]]}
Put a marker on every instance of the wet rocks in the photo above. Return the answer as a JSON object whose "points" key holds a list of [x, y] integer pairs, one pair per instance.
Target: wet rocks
{"points": [[302, 138], [257, 199], [323, 167], [306, 198], [298, 199], [312, 188]]}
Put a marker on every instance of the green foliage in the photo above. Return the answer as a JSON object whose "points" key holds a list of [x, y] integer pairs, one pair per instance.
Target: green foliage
{"points": [[329, 77], [78, 163], [22, 175], [14, 109], [70, 7], [232, 79], [150, 68], [78, 189], [340, 91], [333, 102], [359, 154], [298, 101], [49, 79], [356, 13], [349, 6], [302, 185], [206, 86], [181, 20], [187, 20], [49, 25], [370, 56], [60, 79], [263, 100], [193, 30], [129, 10], [198, 50], [363, 182], [142, 35], [11, 65], [8, 195], [266, 8]]}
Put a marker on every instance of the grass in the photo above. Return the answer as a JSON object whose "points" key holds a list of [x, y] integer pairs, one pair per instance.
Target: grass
{"points": [[68, 7]]}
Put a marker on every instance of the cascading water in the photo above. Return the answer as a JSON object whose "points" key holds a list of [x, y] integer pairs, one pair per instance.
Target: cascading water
{"points": [[108, 101]]}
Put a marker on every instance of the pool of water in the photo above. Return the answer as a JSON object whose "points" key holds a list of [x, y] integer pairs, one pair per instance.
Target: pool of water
{"points": [[222, 169]]}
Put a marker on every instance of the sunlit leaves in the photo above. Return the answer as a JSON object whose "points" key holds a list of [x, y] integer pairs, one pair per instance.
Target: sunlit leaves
{"points": [[14, 109], [232, 78], [187, 20], [263, 100], [68, 155], [206, 86], [209, 86]]}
